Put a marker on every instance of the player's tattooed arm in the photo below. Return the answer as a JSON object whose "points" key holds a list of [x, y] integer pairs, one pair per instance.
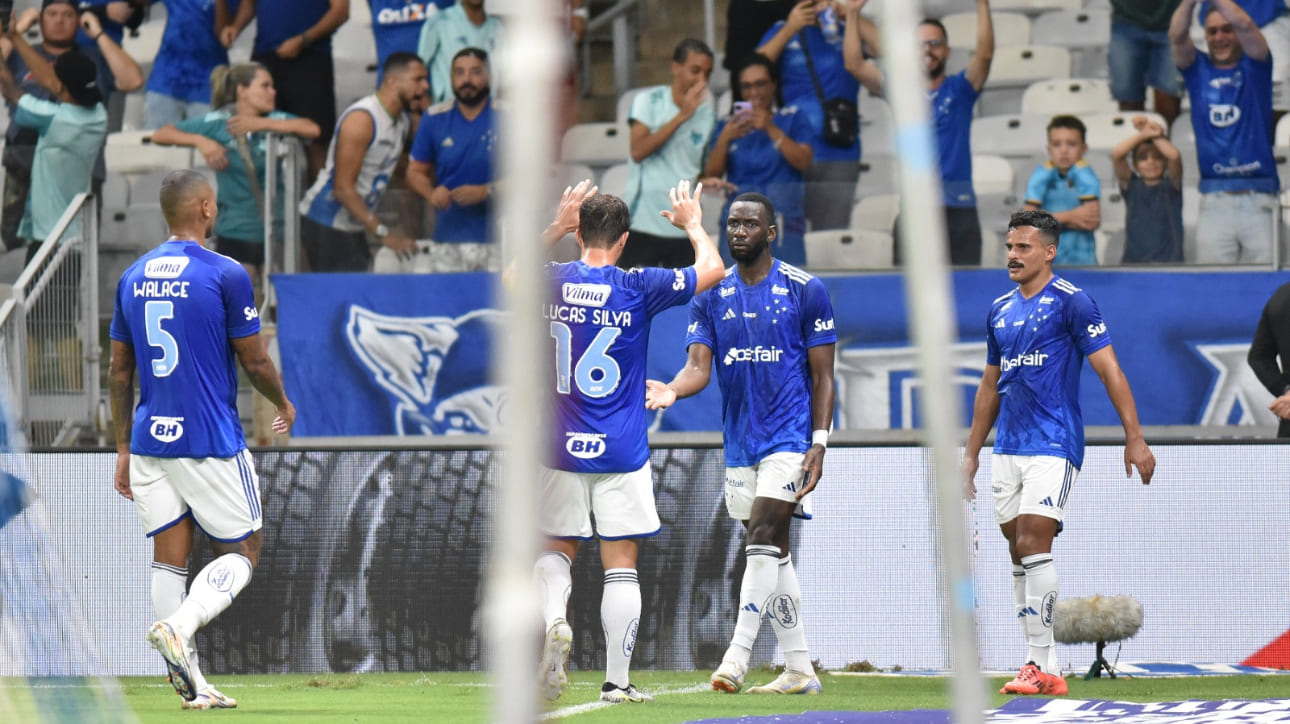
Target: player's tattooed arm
{"points": [[265, 378], [121, 392]]}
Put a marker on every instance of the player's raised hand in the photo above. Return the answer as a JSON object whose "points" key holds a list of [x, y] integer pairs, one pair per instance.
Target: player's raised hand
{"points": [[286, 417], [1137, 453], [566, 216], [969, 468], [658, 395], [685, 205]]}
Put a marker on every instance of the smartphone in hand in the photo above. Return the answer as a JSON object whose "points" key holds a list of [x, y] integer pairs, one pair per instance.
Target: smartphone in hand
{"points": [[742, 109]]}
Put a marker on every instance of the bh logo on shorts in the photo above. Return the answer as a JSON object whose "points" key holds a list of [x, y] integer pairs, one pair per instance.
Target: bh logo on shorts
{"points": [[435, 368], [782, 608], [166, 429], [585, 445], [629, 639]]}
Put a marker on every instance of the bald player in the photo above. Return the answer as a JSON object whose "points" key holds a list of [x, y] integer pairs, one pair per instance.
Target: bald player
{"points": [[181, 455]]}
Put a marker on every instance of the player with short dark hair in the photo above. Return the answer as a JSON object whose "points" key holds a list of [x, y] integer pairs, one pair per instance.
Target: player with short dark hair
{"points": [[181, 456], [598, 462], [771, 326], [1037, 336]]}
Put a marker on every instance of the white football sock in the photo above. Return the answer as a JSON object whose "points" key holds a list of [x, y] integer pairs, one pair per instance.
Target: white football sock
{"points": [[1019, 596], [761, 575], [1041, 599], [212, 592], [169, 585], [555, 581], [620, 614], [785, 612]]}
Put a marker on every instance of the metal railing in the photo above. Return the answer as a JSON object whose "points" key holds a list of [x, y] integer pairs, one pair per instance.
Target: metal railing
{"points": [[281, 254], [49, 331]]}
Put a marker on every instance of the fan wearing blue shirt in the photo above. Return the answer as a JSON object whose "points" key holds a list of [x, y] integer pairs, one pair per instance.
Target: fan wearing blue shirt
{"points": [[1067, 187], [396, 25], [179, 86], [1231, 113], [598, 459], [451, 166], [765, 149], [768, 327], [1037, 336], [182, 321], [831, 37]]}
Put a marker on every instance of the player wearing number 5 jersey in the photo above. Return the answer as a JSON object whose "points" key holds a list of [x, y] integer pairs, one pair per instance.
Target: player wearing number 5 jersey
{"points": [[599, 320], [183, 316]]}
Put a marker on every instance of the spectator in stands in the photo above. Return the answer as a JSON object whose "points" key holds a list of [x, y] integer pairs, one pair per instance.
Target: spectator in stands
{"points": [[820, 56], [369, 140], [1273, 19], [1152, 191], [670, 127], [952, 99], [293, 40], [1067, 188], [115, 17], [1231, 113], [116, 70], [746, 22], [451, 167], [71, 129], [764, 148], [179, 86], [1272, 343], [397, 24], [232, 140], [463, 25], [1139, 56]]}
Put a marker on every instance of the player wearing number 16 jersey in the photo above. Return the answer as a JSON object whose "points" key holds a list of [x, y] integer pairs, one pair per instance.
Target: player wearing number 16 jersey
{"points": [[599, 319], [182, 315]]}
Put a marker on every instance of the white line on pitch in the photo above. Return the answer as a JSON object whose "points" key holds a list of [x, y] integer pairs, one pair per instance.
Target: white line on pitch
{"points": [[594, 705]]}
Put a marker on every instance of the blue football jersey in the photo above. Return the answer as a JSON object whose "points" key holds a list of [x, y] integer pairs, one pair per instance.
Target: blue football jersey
{"points": [[179, 306], [599, 319], [759, 336], [1039, 345]]}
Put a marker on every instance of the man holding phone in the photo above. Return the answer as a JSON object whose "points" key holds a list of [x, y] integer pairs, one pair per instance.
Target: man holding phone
{"points": [[771, 326]]}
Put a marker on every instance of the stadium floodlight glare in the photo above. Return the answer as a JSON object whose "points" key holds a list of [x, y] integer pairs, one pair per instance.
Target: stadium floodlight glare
{"points": [[927, 293]]}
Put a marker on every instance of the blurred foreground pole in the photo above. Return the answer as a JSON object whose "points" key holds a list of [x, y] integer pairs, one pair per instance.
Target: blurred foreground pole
{"points": [[527, 63], [931, 315]]}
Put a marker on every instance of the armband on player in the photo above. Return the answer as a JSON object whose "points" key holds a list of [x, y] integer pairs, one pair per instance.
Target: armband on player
{"points": [[821, 438]]}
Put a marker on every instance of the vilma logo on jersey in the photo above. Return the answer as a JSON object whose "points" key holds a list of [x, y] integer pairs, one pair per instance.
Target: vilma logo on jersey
{"points": [[585, 445], [166, 429]]}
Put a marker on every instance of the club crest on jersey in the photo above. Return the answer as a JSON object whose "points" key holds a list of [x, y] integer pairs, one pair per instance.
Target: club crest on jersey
{"points": [[166, 429], [436, 369], [585, 445], [586, 295], [165, 267]]}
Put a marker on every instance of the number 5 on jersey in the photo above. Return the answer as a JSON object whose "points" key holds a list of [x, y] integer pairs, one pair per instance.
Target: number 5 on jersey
{"points": [[155, 312], [596, 374]]}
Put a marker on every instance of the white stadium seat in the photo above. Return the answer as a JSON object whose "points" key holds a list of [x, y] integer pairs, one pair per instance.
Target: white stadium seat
{"points": [[1107, 129], [877, 212], [1035, 7], [991, 174], [130, 152], [1087, 33], [1009, 135], [1009, 29], [876, 124], [848, 249], [877, 175], [614, 180], [595, 144], [1281, 136], [1073, 96], [1182, 133], [1014, 69]]}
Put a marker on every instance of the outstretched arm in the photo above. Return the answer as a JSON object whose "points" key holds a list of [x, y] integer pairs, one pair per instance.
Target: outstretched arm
{"points": [[1184, 51], [985, 410], [1136, 451], [689, 381], [978, 68], [687, 214]]}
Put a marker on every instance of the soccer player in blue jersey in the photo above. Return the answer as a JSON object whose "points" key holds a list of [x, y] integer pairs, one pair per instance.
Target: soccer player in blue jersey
{"points": [[181, 456], [770, 325], [1037, 337], [599, 319]]}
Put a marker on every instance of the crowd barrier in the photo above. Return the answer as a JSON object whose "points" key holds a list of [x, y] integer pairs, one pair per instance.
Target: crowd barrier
{"points": [[373, 561]]}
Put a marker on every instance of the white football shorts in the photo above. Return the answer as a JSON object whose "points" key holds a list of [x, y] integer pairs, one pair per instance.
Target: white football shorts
{"points": [[1031, 485], [778, 476], [222, 494], [623, 504]]}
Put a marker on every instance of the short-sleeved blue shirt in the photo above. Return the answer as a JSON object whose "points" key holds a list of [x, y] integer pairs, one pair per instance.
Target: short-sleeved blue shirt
{"points": [[1231, 113], [1052, 190], [835, 81], [952, 105], [462, 153], [189, 51]]}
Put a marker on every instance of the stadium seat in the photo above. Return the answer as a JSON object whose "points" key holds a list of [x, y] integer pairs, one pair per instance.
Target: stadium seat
{"points": [[568, 174], [1107, 129], [115, 193], [1074, 96], [354, 42], [1035, 7], [876, 126], [143, 44], [1014, 69], [1086, 33], [991, 174], [1281, 154], [1182, 133], [993, 255], [134, 116], [132, 152], [877, 175], [877, 212], [994, 210], [1191, 212], [725, 104], [1113, 212], [624, 106], [145, 188], [1009, 135], [848, 249], [1281, 136], [595, 144], [614, 180], [1010, 29], [354, 80]]}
